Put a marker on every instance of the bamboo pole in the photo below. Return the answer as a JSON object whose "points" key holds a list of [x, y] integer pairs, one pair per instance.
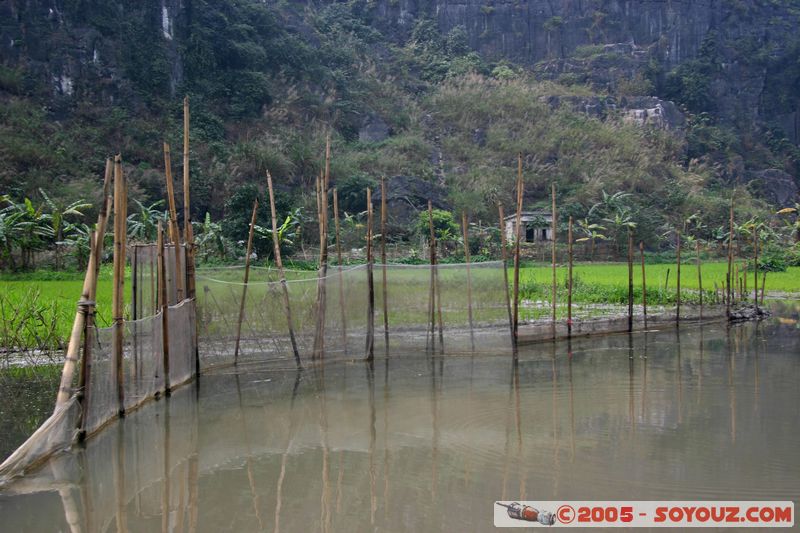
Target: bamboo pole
{"points": [[666, 281], [755, 267], [569, 278], [728, 278], [322, 196], [700, 278], [174, 232], [437, 286], [87, 297], [342, 305], [385, 291], [504, 254], [678, 280], [553, 260], [370, 342], [630, 280], [520, 192], [162, 297], [246, 280], [465, 230], [118, 298], [277, 250], [763, 283], [191, 282], [432, 294], [644, 285]]}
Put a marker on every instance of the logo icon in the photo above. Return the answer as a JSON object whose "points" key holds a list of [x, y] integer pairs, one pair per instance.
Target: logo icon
{"points": [[527, 513]]}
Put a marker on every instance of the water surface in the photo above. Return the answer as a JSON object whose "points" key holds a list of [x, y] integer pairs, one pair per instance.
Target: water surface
{"points": [[413, 443]]}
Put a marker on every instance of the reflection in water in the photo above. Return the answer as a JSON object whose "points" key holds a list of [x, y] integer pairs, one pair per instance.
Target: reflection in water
{"points": [[435, 442]]}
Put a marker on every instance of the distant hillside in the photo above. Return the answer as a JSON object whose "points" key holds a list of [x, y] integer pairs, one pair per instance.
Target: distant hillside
{"points": [[675, 102]]}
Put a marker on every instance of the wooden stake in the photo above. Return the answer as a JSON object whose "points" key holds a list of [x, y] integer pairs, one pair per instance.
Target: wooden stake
{"points": [[755, 267], [517, 237], [87, 299], [630, 280], [504, 254], [322, 214], [465, 230], [246, 280], [384, 215], [370, 343], [174, 232], [432, 294], [553, 260], [191, 282], [729, 279], [341, 275], [162, 297], [700, 278], [678, 279], [763, 283], [569, 279], [644, 285], [118, 297], [277, 249]]}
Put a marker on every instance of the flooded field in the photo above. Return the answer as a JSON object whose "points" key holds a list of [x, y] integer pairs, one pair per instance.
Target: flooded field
{"points": [[413, 443]]}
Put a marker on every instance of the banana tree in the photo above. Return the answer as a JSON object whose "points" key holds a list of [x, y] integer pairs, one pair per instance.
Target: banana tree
{"points": [[76, 239], [796, 212], [591, 232], [143, 225], [35, 230], [287, 232], [58, 218], [209, 238]]}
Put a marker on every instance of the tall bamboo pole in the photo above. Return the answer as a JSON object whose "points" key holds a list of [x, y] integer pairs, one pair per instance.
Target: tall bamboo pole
{"points": [[174, 232], [465, 230], [678, 279], [644, 285], [630, 280], [728, 277], [162, 298], [277, 250], [438, 289], [569, 278], [339, 263], [370, 341], [504, 255], [87, 297], [755, 267], [517, 237], [553, 259], [432, 293], [191, 283], [699, 278], [763, 283], [321, 305], [246, 280], [385, 291], [118, 297]]}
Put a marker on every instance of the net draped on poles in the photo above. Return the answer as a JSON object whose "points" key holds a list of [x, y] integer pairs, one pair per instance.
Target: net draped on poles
{"points": [[265, 329], [206, 327]]}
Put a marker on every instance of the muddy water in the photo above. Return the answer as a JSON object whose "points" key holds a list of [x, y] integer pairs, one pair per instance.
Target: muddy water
{"points": [[419, 444]]}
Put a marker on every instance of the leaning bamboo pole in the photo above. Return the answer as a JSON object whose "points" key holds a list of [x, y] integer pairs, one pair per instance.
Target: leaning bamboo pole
{"points": [[504, 255], [118, 297], [763, 283], [164, 306], [569, 278], [370, 341], [342, 305], [174, 232], [246, 280], [465, 230], [87, 297], [553, 261], [630, 280], [644, 285], [385, 291], [277, 250], [517, 237], [728, 278], [678, 280]]}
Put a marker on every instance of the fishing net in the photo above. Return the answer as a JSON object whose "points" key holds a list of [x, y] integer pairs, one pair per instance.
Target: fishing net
{"points": [[330, 315]]}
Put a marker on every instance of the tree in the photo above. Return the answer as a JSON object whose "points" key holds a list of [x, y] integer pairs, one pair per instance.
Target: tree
{"points": [[143, 226], [592, 232], [209, 239], [58, 218]]}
